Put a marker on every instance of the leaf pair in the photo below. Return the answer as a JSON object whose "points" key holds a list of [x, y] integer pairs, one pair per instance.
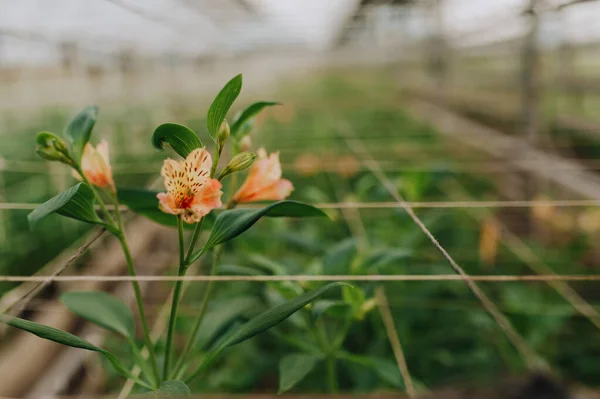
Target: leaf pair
{"points": [[183, 140]]}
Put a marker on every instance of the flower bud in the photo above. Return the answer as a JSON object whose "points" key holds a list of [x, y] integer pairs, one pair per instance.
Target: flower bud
{"points": [[245, 143], [240, 162], [53, 148], [223, 135], [366, 307]]}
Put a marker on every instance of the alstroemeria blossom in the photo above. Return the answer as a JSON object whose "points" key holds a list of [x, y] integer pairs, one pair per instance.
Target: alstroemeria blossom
{"points": [[95, 164], [264, 182], [191, 192]]}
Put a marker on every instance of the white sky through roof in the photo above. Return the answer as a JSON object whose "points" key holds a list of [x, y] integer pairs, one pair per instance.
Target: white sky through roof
{"points": [[195, 27]]}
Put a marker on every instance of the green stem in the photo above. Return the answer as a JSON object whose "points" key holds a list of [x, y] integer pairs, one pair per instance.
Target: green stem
{"points": [[175, 301], [203, 306], [143, 363], [213, 168], [193, 241], [341, 335], [136, 289], [203, 366], [140, 304], [97, 196], [330, 368]]}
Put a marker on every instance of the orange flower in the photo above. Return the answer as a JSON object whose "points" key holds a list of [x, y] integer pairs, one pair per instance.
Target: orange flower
{"points": [[264, 182], [191, 192], [95, 164]]}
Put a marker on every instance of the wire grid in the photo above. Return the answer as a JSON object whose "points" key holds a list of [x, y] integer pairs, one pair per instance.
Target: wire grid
{"points": [[353, 206], [377, 165]]}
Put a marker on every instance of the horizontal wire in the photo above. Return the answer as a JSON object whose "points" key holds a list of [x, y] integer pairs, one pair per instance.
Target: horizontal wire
{"points": [[389, 205], [373, 277]]}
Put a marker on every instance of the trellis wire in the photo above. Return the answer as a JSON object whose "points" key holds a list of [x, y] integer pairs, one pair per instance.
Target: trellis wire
{"points": [[501, 278], [530, 258], [359, 231], [528, 355], [577, 203]]}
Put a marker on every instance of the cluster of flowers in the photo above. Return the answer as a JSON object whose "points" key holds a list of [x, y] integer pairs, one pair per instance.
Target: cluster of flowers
{"points": [[191, 191]]}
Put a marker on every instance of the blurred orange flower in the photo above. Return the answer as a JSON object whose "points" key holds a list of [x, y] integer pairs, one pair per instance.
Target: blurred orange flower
{"points": [[489, 240], [307, 164], [264, 182], [191, 192], [95, 164]]}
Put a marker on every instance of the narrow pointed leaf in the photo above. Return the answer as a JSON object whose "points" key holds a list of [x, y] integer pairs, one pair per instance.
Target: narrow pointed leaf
{"points": [[276, 315], [64, 338], [79, 129], [102, 309], [293, 368], [230, 224], [260, 323], [76, 202], [173, 389], [144, 203], [221, 105], [247, 115], [180, 138], [50, 333]]}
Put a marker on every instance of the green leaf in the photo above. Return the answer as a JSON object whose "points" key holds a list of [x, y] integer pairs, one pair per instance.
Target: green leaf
{"points": [[355, 298], [50, 333], [338, 259], [380, 259], [386, 370], [173, 389], [276, 315], [337, 308], [102, 309], [293, 368], [180, 138], [221, 105], [230, 224], [237, 270], [222, 315], [64, 338], [79, 129], [247, 115], [144, 203], [76, 202]]}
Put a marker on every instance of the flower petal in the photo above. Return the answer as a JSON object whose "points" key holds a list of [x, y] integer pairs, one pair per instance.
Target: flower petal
{"points": [[166, 204], [276, 192], [197, 168], [208, 198], [264, 174]]}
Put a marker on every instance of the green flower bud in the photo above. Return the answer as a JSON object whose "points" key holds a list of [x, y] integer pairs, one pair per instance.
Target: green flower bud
{"points": [[223, 135], [245, 143], [53, 148], [240, 162]]}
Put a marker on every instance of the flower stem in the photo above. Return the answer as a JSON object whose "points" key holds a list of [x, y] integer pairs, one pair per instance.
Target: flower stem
{"points": [[203, 307], [143, 363], [331, 373], [193, 241], [140, 304], [136, 290], [175, 301], [330, 366]]}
